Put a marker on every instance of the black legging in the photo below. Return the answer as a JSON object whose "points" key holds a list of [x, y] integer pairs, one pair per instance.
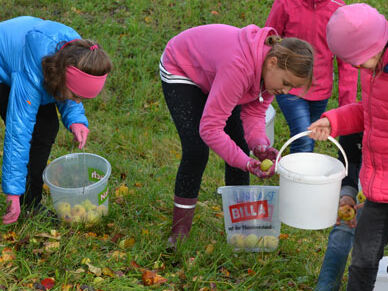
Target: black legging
{"points": [[44, 134], [186, 104], [352, 145]]}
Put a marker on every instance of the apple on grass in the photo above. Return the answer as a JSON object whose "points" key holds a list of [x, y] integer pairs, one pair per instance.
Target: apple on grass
{"points": [[346, 212]]}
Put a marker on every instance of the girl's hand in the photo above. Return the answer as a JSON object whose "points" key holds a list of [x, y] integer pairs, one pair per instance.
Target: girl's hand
{"points": [[320, 129], [347, 200], [13, 209], [263, 152], [80, 133], [253, 167]]}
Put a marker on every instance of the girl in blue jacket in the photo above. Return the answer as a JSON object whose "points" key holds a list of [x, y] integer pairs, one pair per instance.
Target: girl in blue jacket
{"points": [[43, 65]]}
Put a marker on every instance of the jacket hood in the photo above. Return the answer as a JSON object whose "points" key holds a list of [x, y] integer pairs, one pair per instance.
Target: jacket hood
{"points": [[252, 40]]}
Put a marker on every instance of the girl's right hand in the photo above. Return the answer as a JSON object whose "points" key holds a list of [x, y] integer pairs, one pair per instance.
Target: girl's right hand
{"points": [[320, 129], [253, 167]]}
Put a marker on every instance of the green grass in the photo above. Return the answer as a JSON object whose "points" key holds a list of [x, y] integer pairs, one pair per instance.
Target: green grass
{"points": [[131, 127]]}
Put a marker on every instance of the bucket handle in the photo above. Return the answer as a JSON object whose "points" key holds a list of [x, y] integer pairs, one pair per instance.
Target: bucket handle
{"points": [[304, 133]]}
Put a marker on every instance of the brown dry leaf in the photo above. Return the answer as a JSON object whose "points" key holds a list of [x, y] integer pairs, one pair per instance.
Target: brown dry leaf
{"points": [[10, 236], [216, 208], [209, 249], [7, 255], [90, 234], [46, 189], [127, 243], [108, 272], [76, 10], [225, 272], [148, 19], [283, 236], [118, 255], [121, 191], [151, 278], [79, 271], [214, 12], [204, 289], [220, 214], [54, 235], [251, 272], [66, 287], [145, 232], [138, 184], [95, 270]]}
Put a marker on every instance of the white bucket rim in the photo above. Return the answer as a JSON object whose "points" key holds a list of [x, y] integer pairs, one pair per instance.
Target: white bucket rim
{"points": [[78, 190], [310, 179]]}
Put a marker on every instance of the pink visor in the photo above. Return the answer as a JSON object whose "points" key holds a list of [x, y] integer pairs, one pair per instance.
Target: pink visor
{"points": [[83, 84]]}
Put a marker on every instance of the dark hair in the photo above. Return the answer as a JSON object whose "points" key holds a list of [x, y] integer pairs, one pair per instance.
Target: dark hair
{"points": [[294, 55], [78, 54]]}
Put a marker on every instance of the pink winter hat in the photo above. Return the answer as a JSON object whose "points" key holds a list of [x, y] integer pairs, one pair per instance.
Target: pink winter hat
{"points": [[356, 32]]}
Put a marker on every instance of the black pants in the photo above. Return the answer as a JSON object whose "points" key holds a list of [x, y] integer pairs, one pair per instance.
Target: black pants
{"points": [[44, 134], [352, 145], [186, 104]]}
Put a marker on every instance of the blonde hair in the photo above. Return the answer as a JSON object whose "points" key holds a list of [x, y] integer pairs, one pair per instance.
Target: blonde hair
{"points": [[293, 55], [78, 54]]}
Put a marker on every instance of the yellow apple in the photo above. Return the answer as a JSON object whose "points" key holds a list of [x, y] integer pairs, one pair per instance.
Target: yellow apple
{"points": [[102, 210], [237, 240], [78, 210], [251, 241], [266, 165], [88, 205], [346, 212], [270, 242], [92, 217], [63, 207], [66, 217], [361, 197]]}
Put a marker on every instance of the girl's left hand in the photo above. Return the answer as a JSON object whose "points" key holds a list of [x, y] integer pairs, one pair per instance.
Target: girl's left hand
{"points": [[80, 133], [320, 129]]}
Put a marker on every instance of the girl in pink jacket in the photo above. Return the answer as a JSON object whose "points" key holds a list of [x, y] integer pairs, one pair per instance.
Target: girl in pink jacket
{"points": [[218, 81], [358, 34], [307, 20]]}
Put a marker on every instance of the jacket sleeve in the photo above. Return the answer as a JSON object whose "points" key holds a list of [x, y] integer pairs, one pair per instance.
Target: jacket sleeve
{"points": [[346, 120], [347, 83], [253, 120], [23, 105], [277, 17], [72, 112], [227, 89]]}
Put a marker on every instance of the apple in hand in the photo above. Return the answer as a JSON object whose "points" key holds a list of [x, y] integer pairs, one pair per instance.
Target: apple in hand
{"points": [[346, 212], [361, 197], [266, 165]]}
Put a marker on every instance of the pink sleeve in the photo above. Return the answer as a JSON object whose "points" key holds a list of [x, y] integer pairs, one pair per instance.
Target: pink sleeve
{"points": [[346, 120], [227, 89], [347, 83], [253, 119], [277, 17]]}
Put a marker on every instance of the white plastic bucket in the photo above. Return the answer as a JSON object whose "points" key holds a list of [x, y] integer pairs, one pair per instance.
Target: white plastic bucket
{"points": [[270, 124], [381, 283], [78, 186], [309, 187], [251, 217]]}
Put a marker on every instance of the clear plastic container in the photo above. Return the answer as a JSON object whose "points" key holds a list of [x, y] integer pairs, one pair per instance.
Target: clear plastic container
{"points": [[251, 217], [78, 185]]}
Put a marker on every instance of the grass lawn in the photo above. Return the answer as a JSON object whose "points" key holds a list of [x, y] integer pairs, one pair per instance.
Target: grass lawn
{"points": [[130, 126]]}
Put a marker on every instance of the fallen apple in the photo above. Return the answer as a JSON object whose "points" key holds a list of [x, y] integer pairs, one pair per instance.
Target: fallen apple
{"points": [[346, 212], [361, 197], [266, 165], [237, 240], [251, 241]]}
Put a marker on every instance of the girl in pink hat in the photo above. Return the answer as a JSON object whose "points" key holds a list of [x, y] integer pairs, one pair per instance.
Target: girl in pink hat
{"points": [[218, 81], [358, 34], [44, 65]]}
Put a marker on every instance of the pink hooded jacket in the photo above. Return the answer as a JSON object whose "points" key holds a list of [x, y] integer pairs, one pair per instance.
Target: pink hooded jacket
{"points": [[226, 63], [370, 116], [307, 20]]}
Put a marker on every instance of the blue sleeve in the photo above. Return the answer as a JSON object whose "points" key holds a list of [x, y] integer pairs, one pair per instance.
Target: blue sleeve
{"points": [[23, 105], [72, 112]]}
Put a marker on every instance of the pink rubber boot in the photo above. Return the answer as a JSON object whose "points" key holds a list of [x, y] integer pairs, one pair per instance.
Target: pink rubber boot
{"points": [[182, 218]]}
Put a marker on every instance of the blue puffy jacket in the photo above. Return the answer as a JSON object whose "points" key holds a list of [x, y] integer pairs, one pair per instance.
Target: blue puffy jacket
{"points": [[24, 41]]}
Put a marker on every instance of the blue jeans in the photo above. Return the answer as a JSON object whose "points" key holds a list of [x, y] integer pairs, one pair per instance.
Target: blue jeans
{"points": [[299, 114], [338, 248]]}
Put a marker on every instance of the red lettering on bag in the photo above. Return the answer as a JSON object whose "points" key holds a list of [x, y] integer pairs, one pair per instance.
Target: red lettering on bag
{"points": [[248, 211]]}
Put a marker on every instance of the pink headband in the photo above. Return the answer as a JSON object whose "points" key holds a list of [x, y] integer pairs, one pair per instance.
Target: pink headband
{"points": [[83, 84]]}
